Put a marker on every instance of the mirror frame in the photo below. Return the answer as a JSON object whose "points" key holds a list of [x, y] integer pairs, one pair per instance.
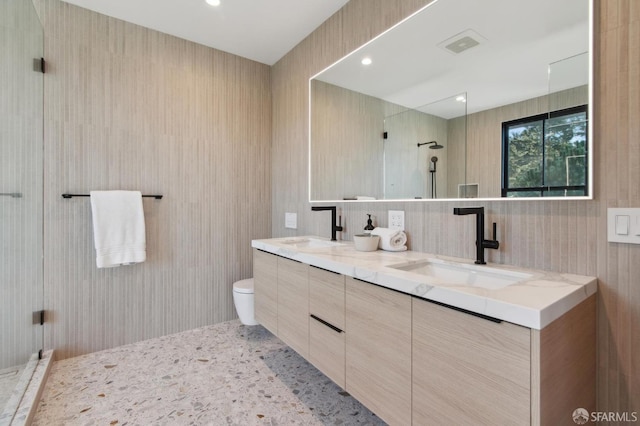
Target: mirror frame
{"points": [[590, 186]]}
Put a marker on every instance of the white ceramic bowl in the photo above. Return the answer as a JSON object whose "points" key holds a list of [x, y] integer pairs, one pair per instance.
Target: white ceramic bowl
{"points": [[366, 242]]}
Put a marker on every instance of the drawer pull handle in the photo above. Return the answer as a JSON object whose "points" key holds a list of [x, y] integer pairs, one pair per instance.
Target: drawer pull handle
{"points": [[331, 326], [465, 311], [326, 270]]}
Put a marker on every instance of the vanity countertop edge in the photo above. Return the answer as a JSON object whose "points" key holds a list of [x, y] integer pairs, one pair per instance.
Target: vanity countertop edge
{"points": [[534, 302]]}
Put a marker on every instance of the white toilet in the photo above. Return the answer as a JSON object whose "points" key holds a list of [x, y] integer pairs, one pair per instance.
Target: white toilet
{"points": [[243, 300]]}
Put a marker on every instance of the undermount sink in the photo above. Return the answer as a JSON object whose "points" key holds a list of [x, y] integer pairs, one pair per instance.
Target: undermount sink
{"points": [[463, 274], [310, 243]]}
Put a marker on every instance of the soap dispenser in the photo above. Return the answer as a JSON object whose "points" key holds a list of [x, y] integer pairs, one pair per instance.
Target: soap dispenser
{"points": [[369, 227]]}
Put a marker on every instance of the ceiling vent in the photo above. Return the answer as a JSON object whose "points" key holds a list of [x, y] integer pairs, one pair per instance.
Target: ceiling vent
{"points": [[462, 42]]}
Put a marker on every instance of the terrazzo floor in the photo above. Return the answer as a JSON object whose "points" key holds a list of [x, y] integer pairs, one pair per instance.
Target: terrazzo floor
{"points": [[224, 374]]}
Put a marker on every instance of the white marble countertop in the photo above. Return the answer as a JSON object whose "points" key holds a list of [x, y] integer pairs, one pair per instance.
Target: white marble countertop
{"points": [[536, 300]]}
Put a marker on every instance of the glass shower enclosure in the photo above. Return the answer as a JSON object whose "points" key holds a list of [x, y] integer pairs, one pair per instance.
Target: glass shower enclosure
{"points": [[21, 199]]}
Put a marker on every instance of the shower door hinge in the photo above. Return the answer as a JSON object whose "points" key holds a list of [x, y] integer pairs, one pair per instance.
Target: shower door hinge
{"points": [[40, 354], [39, 65], [385, 135], [38, 317]]}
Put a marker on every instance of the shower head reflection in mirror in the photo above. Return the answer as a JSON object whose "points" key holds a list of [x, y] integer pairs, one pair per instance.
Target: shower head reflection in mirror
{"points": [[434, 145]]}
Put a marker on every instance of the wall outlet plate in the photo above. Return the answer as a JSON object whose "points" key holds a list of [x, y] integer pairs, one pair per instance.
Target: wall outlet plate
{"points": [[396, 219], [291, 220]]}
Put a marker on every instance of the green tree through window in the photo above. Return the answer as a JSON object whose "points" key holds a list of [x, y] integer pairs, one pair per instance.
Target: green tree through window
{"points": [[546, 155]]}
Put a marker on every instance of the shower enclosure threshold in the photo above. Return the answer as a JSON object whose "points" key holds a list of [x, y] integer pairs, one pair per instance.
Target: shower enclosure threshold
{"points": [[21, 405]]}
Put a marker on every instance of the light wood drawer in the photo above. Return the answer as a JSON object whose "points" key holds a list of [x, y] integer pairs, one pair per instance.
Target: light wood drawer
{"points": [[468, 370], [265, 281], [378, 350], [326, 296], [327, 351], [293, 304]]}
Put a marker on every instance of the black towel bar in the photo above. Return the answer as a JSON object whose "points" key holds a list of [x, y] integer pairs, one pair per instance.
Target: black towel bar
{"points": [[157, 197]]}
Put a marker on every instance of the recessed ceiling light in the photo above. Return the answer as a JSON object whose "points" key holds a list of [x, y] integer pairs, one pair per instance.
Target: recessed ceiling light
{"points": [[366, 61], [461, 98], [213, 2]]}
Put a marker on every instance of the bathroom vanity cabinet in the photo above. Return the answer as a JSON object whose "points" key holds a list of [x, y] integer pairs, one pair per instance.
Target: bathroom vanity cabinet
{"points": [[415, 361], [379, 350], [281, 291], [467, 369], [470, 370]]}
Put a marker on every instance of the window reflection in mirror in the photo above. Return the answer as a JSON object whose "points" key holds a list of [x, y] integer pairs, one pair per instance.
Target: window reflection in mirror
{"points": [[546, 155]]}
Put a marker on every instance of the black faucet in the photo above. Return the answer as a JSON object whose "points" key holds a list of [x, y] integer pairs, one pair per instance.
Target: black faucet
{"points": [[334, 228], [481, 243]]}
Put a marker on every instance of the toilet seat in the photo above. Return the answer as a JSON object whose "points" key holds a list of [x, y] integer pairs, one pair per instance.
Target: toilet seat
{"points": [[243, 286], [243, 299]]}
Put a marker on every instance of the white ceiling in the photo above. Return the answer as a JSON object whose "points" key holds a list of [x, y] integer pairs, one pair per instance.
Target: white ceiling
{"points": [[261, 30]]}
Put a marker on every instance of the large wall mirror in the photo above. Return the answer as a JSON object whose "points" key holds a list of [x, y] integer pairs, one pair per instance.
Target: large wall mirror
{"points": [[463, 99]]}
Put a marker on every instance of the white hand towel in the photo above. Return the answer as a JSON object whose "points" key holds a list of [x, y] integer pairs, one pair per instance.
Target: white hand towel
{"points": [[391, 239], [118, 228]]}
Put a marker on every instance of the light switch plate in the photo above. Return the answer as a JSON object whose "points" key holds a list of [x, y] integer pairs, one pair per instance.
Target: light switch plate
{"points": [[396, 219], [291, 220], [623, 225]]}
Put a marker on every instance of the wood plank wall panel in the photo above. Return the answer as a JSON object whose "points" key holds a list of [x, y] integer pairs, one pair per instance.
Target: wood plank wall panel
{"points": [[567, 236], [131, 108], [21, 40], [347, 156], [618, 101], [355, 135]]}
